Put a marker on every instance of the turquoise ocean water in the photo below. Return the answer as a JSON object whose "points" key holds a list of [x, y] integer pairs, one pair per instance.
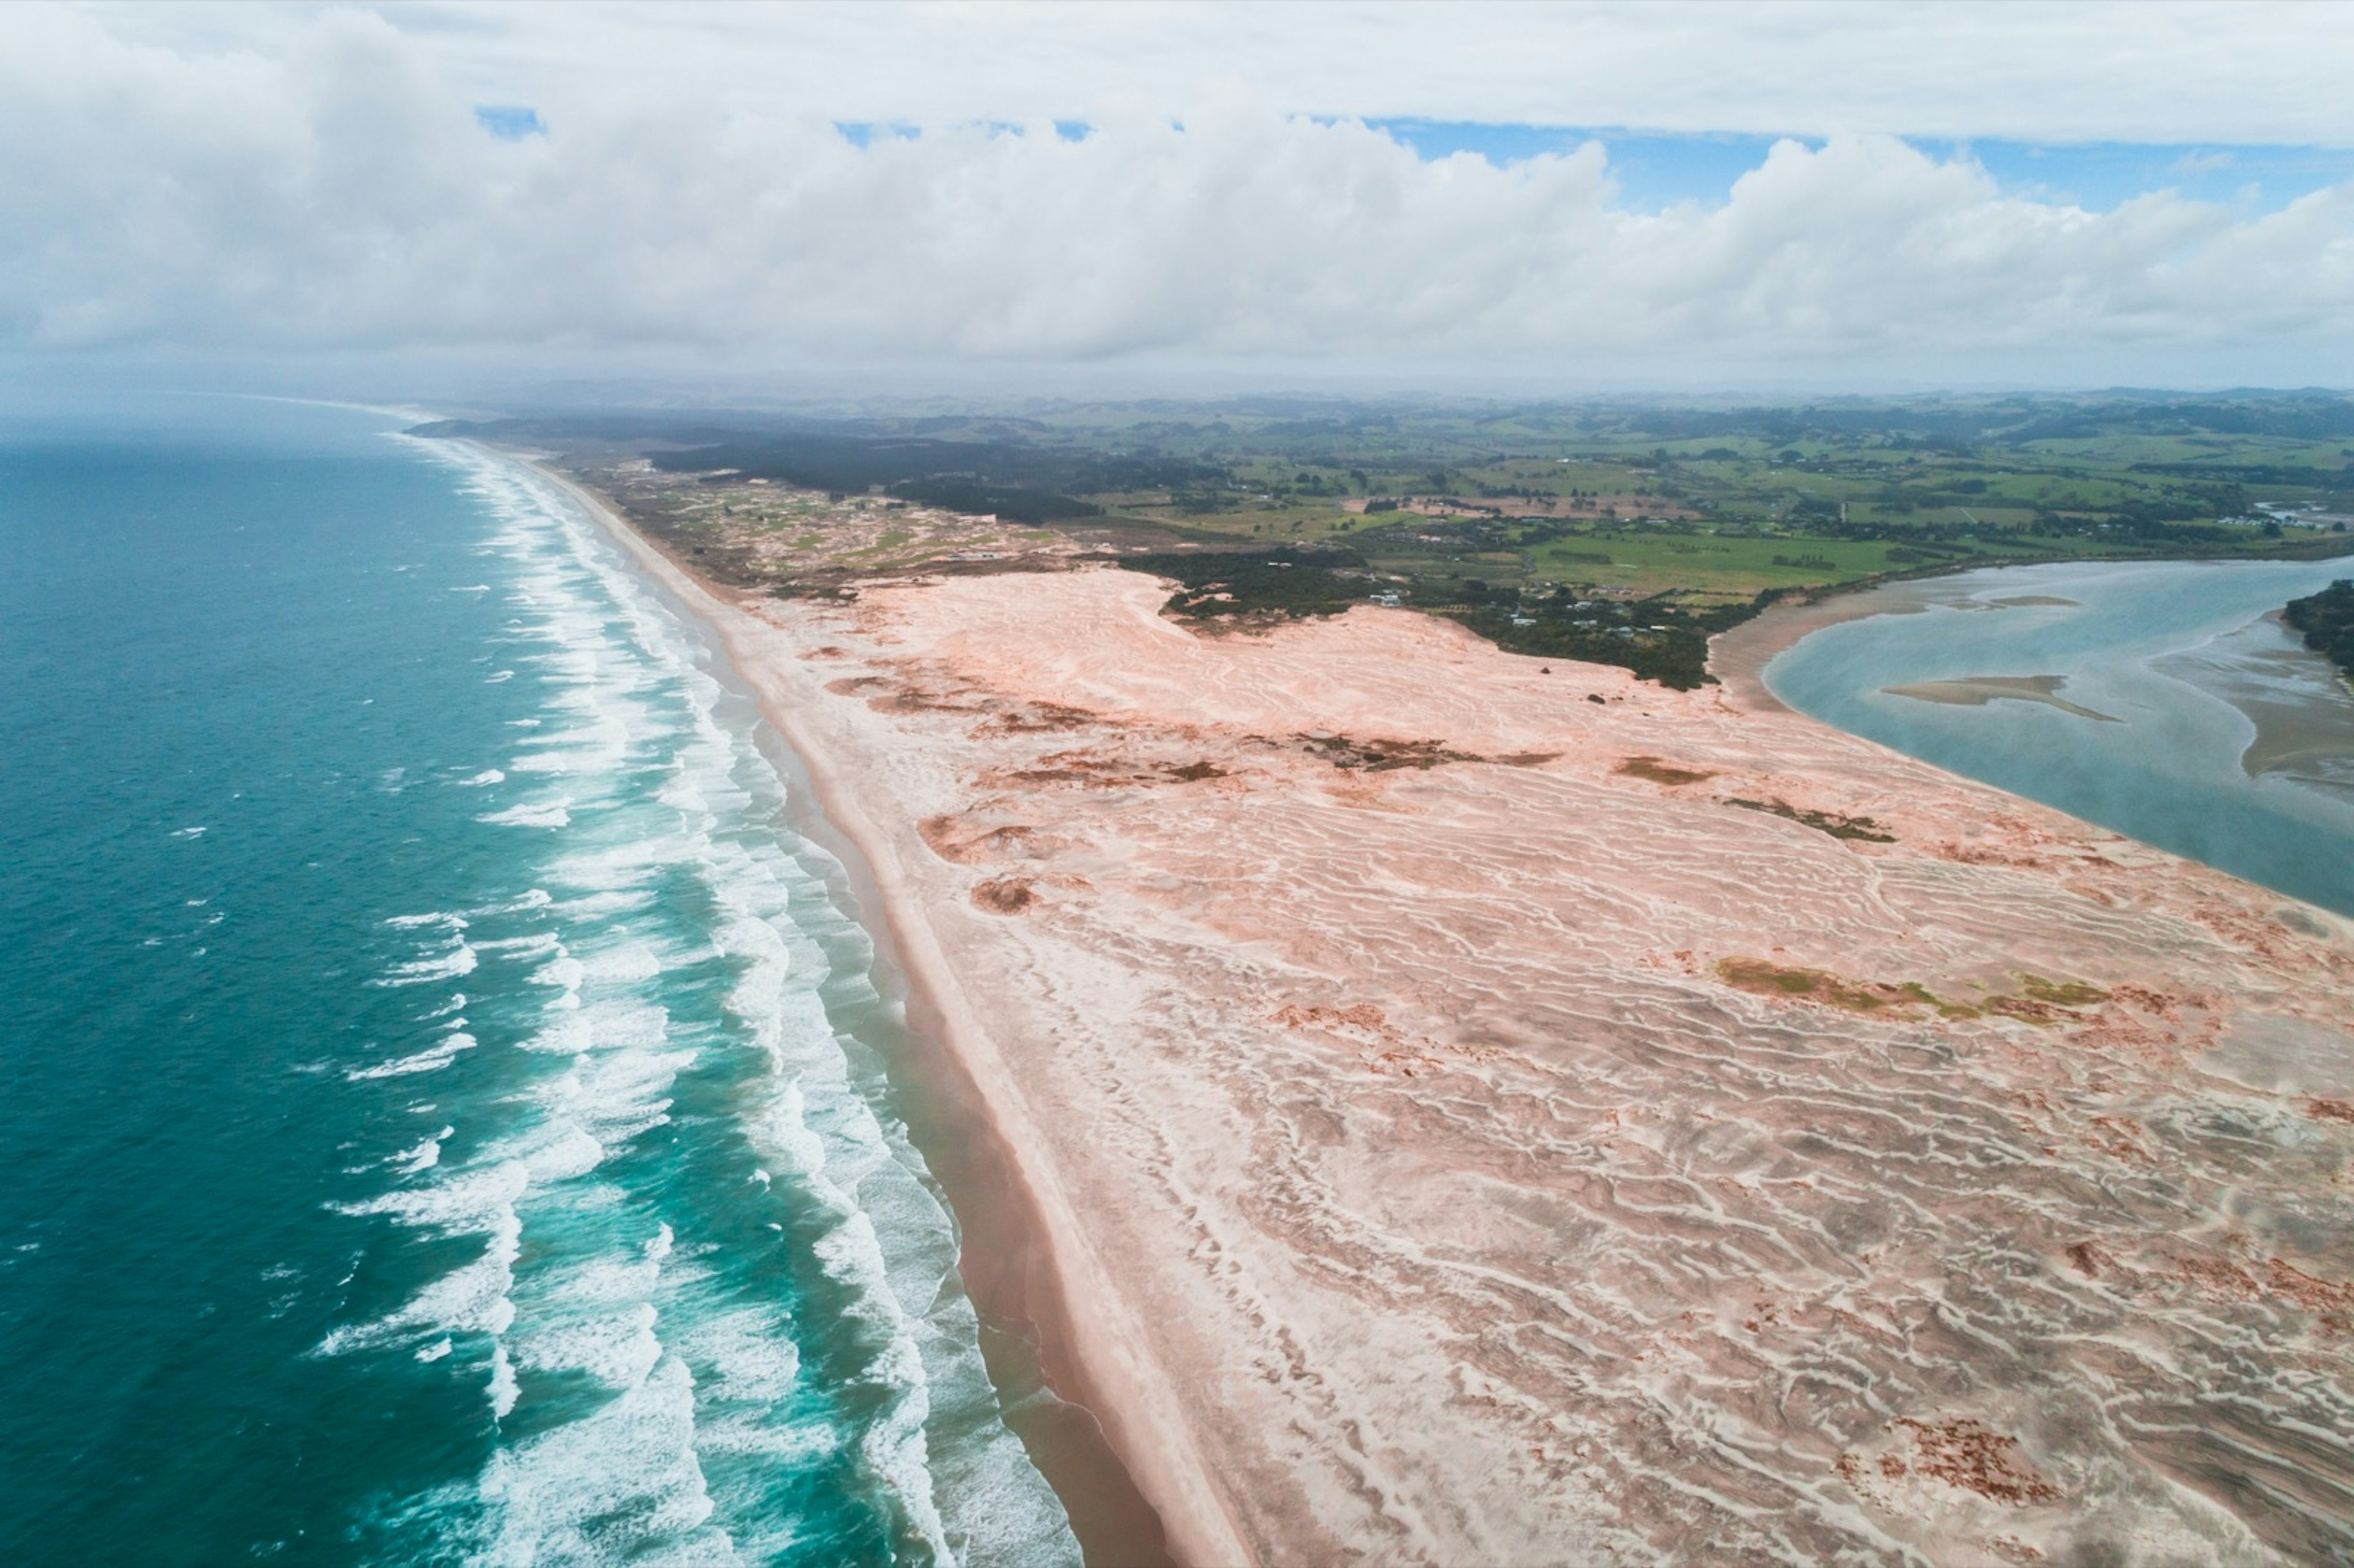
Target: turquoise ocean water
{"points": [[446, 1112], [2182, 659]]}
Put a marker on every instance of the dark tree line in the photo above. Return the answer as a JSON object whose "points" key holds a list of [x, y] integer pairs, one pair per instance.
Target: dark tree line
{"points": [[2326, 620]]}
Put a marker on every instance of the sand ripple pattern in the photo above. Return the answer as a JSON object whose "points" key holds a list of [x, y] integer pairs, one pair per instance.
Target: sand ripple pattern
{"points": [[1512, 1151]]}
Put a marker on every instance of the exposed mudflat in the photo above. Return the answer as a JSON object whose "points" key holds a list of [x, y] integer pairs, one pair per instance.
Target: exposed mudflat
{"points": [[1977, 691]]}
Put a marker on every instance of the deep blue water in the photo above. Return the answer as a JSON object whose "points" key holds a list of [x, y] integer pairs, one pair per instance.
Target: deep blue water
{"points": [[2179, 654], [446, 1115]]}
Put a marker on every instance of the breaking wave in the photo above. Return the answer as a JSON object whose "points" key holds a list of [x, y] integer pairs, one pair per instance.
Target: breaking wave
{"points": [[668, 1230]]}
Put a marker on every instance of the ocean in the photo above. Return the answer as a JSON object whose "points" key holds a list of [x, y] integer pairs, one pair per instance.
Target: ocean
{"points": [[2199, 723], [450, 1114]]}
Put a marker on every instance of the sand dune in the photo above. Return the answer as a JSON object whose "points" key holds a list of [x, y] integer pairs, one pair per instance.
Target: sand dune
{"points": [[1465, 1136]]}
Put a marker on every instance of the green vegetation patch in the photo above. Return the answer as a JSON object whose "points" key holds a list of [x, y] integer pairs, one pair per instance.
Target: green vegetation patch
{"points": [[1762, 976], [1659, 638], [1863, 829], [1378, 755], [2060, 993], [2045, 1002], [2327, 621], [1618, 532], [1246, 585], [1659, 772]]}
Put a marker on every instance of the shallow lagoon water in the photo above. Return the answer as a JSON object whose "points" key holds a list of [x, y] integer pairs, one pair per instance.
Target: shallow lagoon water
{"points": [[449, 1117], [2183, 656]]}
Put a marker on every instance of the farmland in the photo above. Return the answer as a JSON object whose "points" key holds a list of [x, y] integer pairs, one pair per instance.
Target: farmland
{"points": [[1624, 530]]}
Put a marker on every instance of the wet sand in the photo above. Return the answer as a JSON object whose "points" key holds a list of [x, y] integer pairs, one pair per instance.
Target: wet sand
{"points": [[2301, 707], [1453, 1123], [1738, 658], [1977, 691]]}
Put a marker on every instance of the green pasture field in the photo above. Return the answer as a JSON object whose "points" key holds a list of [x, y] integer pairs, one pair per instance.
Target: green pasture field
{"points": [[1700, 508], [1715, 563]]}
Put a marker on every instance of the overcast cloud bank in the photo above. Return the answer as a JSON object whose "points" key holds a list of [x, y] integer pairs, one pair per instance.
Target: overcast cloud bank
{"points": [[335, 190]]}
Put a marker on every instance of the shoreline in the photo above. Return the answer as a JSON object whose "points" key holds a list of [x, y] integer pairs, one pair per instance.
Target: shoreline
{"points": [[2257, 704], [1350, 1130], [1738, 658], [1019, 1247]]}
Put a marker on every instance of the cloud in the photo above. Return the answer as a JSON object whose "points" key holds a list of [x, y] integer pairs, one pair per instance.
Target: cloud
{"points": [[2083, 70], [333, 188]]}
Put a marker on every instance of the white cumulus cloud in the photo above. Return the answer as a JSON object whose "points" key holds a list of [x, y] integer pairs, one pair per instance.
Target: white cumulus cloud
{"points": [[324, 183]]}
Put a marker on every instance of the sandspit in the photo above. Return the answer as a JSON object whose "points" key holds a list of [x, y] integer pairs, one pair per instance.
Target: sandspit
{"points": [[1977, 691], [1486, 1111]]}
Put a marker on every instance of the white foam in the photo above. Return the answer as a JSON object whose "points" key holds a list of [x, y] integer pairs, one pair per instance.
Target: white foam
{"points": [[437, 917], [633, 960], [423, 1156], [532, 814], [189, 832], [486, 776], [538, 945], [615, 1279], [505, 1390], [656, 788], [627, 1024], [567, 1035], [433, 1057], [470, 1300], [564, 971], [563, 1154], [465, 1201], [455, 960], [788, 1134], [618, 1349], [620, 1484]]}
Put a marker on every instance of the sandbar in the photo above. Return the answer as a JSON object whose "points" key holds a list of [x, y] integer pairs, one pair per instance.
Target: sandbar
{"points": [[1977, 691]]}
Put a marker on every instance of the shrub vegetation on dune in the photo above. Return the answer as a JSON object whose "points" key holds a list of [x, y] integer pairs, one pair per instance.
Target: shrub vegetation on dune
{"points": [[2326, 620]]}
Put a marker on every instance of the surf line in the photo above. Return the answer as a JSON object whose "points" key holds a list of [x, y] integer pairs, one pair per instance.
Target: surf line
{"points": [[1017, 1247]]}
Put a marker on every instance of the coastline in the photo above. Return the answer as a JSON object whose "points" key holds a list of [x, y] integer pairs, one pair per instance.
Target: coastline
{"points": [[2235, 694], [1738, 658], [1022, 1254], [1412, 1183], [2293, 734]]}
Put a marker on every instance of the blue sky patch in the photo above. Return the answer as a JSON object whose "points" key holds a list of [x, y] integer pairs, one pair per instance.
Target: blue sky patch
{"points": [[863, 132], [1655, 170], [509, 122], [2100, 176]]}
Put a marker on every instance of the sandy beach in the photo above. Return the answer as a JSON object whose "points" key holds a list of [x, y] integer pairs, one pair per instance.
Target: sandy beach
{"points": [[1738, 658], [1464, 1110]]}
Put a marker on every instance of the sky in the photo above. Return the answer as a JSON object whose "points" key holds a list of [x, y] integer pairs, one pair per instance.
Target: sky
{"points": [[1582, 195]]}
